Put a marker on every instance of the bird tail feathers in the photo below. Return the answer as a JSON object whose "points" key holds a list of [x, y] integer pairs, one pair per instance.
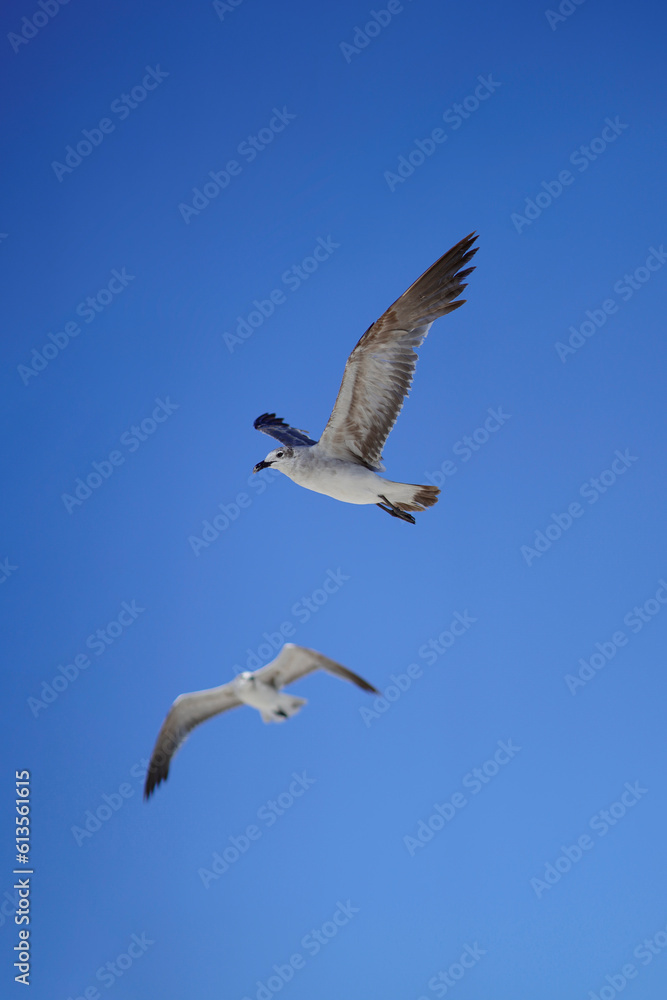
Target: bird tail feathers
{"points": [[410, 497], [289, 705]]}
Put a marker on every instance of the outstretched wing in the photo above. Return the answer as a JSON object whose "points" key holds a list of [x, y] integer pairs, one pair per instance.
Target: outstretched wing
{"points": [[187, 712], [276, 428], [379, 372], [294, 662]]}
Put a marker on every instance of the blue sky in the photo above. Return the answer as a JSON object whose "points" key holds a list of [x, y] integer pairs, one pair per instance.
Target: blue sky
{"points": [[495, 825]]}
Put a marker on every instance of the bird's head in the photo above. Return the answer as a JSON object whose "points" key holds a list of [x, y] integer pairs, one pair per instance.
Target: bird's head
{"points": [[280, 458], [244, 681]]}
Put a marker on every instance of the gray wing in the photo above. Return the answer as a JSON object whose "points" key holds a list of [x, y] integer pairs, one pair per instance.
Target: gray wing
{"points": [[379, 372], [276, 428], [187, 712], [294, 662]]}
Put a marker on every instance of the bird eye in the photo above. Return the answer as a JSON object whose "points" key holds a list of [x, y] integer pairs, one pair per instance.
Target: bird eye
{"points": [[280, 454]]}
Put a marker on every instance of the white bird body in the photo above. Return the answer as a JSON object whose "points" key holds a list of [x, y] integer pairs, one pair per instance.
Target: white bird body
{"points": [[312, 468], [273, 705], [345, 462]]}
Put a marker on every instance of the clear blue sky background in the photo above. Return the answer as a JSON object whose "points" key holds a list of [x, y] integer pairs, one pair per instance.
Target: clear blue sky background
{"points": [[162, 337]]}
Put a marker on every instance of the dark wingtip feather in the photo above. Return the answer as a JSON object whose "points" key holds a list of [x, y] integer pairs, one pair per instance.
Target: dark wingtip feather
{"points": [[360, 682], [267, 418], [154, 777]]}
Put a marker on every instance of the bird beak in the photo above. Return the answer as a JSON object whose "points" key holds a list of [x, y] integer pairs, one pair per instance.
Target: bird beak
{"points": [[262, 465]]}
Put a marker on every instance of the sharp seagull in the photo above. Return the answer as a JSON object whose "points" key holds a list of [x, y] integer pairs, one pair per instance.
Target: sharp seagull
{"points": [[259, 688], [344, 463]]}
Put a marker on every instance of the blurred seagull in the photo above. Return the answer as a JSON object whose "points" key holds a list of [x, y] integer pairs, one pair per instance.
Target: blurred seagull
{"points": [[259, 688], [344, 463]]}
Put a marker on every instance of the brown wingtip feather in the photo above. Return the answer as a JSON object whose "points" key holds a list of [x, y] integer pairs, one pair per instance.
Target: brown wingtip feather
{"points": [[433, 293], [350, 675]]}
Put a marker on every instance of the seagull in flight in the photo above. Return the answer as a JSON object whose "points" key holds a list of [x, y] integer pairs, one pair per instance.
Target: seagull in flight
{"points": [[259, 688], [345, 462]]}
